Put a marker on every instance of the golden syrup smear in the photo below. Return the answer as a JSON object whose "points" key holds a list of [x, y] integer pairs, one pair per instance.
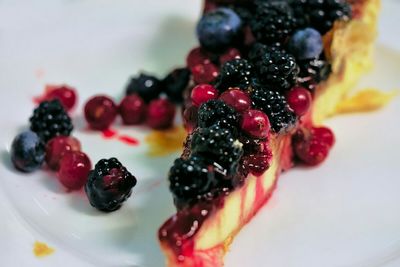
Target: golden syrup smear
{"points": [[42, 250], [369, 99], [164, 142]]}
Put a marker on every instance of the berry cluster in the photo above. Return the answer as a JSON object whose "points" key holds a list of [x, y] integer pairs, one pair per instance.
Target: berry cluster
{"points": [[49, 141]]}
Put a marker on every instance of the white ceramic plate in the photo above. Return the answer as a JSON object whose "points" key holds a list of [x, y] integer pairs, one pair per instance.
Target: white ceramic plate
{"points": [[344, 213]]}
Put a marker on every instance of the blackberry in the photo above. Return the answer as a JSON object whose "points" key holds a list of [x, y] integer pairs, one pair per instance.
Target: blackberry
{"points": [[175, 83], [272, 22], [109, 185], [218, 144], [313, 72], [235, 73], [146, 86], [50, 119], [191, 178], [323, 13], [219, 113], [274, 105], [274, 66]]}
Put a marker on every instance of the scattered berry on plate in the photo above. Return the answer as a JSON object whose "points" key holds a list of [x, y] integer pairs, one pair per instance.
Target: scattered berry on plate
{"points": [[255, 123], [299, 100], [27, 151], [175, 83], [100, 112], [74, 170], [132, 109], [50, 119], [146, 86], [237, 99], [219, 29], [204, 73], [109, 185], [202, 93], [57, 147], [64, 93], [160, 114]]}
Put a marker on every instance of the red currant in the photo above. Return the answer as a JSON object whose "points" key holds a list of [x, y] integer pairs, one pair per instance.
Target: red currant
{"points": [[257, 164], [299, 100], [204, 73], [229, 55], [202, 93], [237, 99], [160, 114], [196, 56], [132, 109], [100, 112], [324, 135], [57, 147], [255, 123], [74, 170], [64, 93]]}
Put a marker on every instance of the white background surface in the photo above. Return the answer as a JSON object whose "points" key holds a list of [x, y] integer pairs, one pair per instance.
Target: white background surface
{"points": [[344, 213]]}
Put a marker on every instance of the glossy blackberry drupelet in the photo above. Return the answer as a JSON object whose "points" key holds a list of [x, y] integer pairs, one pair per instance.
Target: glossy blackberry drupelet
{"points": [[235, 73], [275, 67], [313, 72], [175, 83], [109, 185], [274, 105], [272, 21], [219, 145], [217, 112], [27, 151], [146, 86], [50, 119]]}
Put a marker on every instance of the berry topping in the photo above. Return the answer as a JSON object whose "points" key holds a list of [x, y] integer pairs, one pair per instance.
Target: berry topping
{"points": [[230, 54], [57, 147], [204, 73], [324, 135], [65, 94], [175, 83], [219, 29], [197, 56], [217, 112], [237, 99], [146, 86], [256, 164], [74, 170], [313, 72], [299, 100], [190, 118], [253, 146], [109, 185], [274, 105], [219, 145], [132, 109], [255, 123], [160, 114], [202, 93], [272, 21], [100, 112], [235, 73], [27, 151], [50, 119], [274, 66], [306, 44]]}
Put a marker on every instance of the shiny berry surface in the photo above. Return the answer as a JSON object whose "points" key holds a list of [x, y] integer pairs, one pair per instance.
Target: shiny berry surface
{"points": [[255, 123], [204, 73], [74, 170], [202, 93], [132, 109], [160, 114], [197, 56], [57, 147], [324, 135], [230, 54], [256, 164], [312, 152], [237, 99], [64, 93], [27, 151], [299, 100], [100, 112]]}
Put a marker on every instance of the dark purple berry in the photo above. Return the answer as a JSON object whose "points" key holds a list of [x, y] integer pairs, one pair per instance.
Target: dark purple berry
{"points": [[27, 151]]}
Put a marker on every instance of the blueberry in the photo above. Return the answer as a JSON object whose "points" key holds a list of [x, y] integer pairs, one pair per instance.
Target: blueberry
{"points": [[175, 83], [219, 29], [27, 151], [306, 44], [146, 86]]}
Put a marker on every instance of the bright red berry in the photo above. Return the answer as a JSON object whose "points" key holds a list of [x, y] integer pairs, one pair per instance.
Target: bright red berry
{"points": [[57, 147], [190, 118], [160, 114], [66, 94], [202, 93], [230, 54], [204, 73], [299, 100], [311, 152], [74, 170], [197, 56], [100, 112], [237, 99], [132, 109], [255, 123], [324, 135], [257, 164]]}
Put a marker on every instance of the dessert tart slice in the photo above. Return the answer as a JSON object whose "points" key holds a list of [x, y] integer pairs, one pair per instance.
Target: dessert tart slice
{"points": [[266, 74]]}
